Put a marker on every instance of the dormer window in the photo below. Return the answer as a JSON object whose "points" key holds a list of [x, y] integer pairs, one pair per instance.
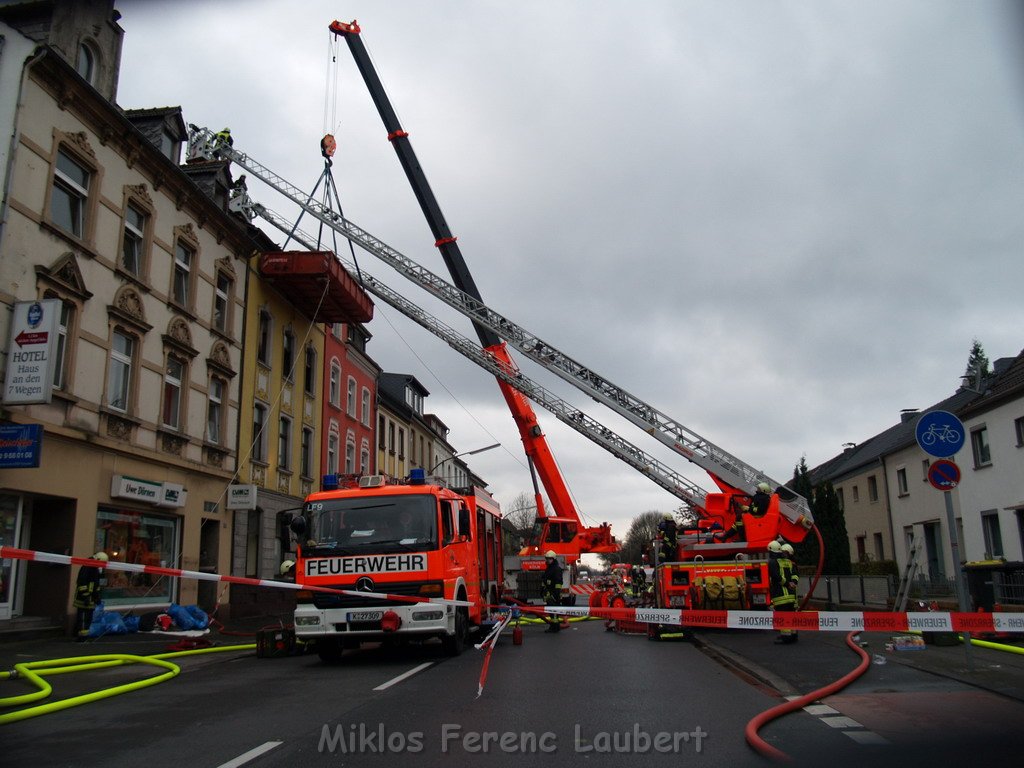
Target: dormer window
{"points": [[85, 65]]}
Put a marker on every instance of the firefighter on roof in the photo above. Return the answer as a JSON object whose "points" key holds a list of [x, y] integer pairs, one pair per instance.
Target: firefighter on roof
{"points": [[782, 580], [551, 582]]}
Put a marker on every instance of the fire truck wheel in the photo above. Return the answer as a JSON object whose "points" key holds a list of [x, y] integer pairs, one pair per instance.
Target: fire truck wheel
{"points": [[329, 650], [453, 644]]}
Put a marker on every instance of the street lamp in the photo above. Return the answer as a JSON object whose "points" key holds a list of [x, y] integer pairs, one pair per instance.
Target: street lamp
{"points": [[463, 453]]}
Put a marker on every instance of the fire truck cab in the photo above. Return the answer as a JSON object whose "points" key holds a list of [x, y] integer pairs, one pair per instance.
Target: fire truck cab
{"points": [[391, 540]]}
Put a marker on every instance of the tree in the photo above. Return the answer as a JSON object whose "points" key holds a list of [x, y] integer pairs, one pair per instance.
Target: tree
{"points": [[977, 365], [518, 523], [831, 523], [641, 533]]}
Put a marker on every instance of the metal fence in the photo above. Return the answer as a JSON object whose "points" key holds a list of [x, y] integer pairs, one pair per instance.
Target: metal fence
{"points": [[1008, 588], [859, 590]]}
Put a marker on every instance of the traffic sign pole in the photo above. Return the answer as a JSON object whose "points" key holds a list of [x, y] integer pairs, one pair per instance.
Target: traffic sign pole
{"points": [[942, 434]]}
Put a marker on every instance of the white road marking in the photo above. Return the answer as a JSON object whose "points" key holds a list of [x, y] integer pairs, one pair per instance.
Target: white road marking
{"points": [[866, 737], [820, 709], [252, 754], [840, 722], [403, 676]]}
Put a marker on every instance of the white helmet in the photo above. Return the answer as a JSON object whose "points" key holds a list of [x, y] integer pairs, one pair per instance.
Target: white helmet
{"points": [[787, 548], [286, 566], [550, 553], [101, 556], [774, 547], [764, 487]]}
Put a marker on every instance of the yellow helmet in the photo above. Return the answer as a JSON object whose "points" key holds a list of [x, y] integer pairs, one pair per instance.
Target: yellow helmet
{"points": [[101, 556], [286, 566]]}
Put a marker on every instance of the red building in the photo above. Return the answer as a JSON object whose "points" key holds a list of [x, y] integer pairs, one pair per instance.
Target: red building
{"points": [[349, 403]]}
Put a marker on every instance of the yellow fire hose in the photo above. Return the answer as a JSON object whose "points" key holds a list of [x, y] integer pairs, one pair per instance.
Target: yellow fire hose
{"points": [[28, 671]]}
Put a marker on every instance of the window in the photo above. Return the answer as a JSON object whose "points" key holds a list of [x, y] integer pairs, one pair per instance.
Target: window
{"points": [[133, 240], [336, 330], [306, 456], [60, 356], [222, 303], [181, 289], [143, 539], [401, 443], [872, 489], [173, 374], [215, 411], [1018, 427], [334, 388], [288, 355], [364, 457], [85, 64], [879, 547], [284, 443], [350, 453], [380, 433], [391, 438], [993, 536], [70, 194], [263, 338], [119, 374], [332, 454], [979, 445], [901, 481], [169, 147], [856, 494], [414, 400], [259, 432], [862, 553], [925, 465], [366, 407], [350, 400], [309, 371]]}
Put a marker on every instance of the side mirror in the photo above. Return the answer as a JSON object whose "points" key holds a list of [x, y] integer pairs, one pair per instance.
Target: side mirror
{"points": [[464, 521], [298, 526]]}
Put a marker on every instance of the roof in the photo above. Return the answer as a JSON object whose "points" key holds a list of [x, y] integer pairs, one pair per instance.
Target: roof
{"points": [[1006, 382]]}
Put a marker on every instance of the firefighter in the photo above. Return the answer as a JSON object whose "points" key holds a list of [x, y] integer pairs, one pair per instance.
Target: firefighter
{"points": [[222, 139], [639, 580], [761, 499], [551, 583], [669, 539], [782, 582], [88, 594]]}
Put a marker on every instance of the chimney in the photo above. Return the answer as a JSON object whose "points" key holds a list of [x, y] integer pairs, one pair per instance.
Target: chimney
{"points": [[906, 414]]}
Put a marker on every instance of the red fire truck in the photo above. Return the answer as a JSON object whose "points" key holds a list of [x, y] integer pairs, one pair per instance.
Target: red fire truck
{"points": [[392, 540]]}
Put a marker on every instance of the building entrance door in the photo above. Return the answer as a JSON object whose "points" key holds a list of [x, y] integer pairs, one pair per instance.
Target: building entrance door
{"points": [[10, 530]]}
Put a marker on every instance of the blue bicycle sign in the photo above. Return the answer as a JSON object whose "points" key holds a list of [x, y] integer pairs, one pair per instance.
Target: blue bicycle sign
{"points": [[940, 433]]}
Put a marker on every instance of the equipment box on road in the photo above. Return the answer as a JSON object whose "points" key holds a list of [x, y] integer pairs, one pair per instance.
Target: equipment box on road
{"points": [[275, 643]]}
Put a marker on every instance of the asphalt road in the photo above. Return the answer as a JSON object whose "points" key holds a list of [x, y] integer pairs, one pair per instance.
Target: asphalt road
{"points": [[581, 697]]}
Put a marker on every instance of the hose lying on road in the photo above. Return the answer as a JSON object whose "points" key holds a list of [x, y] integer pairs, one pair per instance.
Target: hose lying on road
{"points": [[35, 671], [754, 725]]}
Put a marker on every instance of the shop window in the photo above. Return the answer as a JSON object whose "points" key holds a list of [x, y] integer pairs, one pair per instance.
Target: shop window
{"points": [[143, 539]]}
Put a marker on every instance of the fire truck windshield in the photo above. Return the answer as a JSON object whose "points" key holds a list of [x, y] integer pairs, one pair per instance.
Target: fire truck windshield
{"points": [[373, 524]]}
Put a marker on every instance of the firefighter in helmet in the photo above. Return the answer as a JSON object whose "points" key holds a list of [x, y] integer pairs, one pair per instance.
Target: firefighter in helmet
{"points": [[761, 499], [551, 583], [88, 594], [669, 532], [782, 582]]}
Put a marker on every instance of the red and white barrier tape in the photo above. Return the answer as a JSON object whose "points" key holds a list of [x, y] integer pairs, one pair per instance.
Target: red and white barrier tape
{"points": [[14, 553], [810, 621]]}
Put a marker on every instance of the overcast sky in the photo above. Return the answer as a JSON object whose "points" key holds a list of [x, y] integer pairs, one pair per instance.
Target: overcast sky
{"points": [[778, 222]]}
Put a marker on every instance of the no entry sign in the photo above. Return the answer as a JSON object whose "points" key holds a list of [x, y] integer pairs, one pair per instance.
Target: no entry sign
{"points": [[944, 475]]}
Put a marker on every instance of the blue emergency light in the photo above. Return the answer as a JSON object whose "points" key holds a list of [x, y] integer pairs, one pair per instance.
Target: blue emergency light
{"points": [[329, 482]]}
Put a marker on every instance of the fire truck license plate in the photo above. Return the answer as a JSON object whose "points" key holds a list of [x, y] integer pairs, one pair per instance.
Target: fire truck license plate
{"points": [[365, 615]]}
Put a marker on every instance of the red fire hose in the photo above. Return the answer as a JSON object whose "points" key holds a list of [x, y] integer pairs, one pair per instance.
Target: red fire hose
{"points": [[763, 747]]}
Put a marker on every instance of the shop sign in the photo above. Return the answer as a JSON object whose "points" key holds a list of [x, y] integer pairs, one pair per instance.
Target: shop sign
{"points": [[241, 497], [158, 494], [31, 352], [20, 445]]}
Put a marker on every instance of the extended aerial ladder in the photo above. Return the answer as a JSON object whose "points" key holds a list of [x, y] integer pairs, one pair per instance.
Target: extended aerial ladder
{"points": [[729, 471]]}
